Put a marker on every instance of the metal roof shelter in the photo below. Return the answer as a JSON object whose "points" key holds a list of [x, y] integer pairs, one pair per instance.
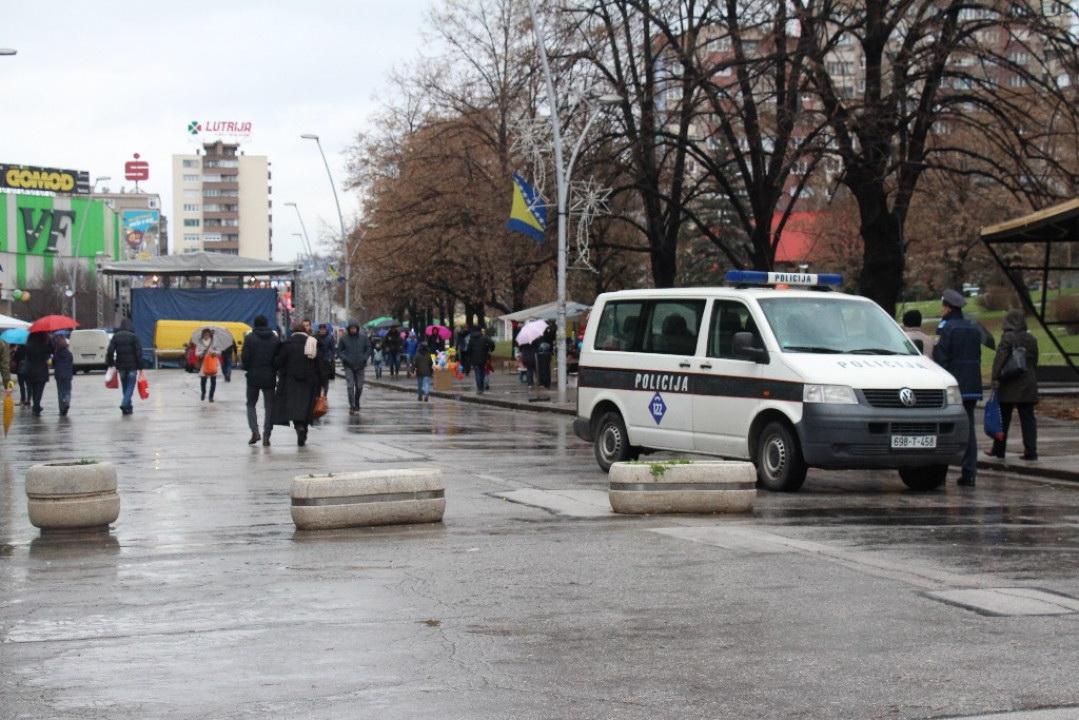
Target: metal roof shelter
{"points": [[546, 311], [1040, 244], [199, 264]]}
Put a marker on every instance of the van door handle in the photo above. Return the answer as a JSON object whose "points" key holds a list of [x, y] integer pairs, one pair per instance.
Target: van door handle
{"points": [[706, 366], [684, 364]]}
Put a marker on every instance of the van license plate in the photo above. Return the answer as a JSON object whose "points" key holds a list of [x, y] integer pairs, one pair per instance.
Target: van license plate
{"points": [[901, 442], [89, 355]]}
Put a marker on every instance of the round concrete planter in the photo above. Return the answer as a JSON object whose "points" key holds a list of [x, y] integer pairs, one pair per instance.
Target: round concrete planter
{"points": [[372, 497], [714, 486], [72, 495]]}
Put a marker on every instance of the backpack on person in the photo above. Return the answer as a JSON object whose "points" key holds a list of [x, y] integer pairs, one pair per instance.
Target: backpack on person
{"points": [[1015, 365]]}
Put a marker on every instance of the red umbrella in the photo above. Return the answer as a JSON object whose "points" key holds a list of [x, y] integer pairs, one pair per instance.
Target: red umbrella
{"points": [[52, 323]]}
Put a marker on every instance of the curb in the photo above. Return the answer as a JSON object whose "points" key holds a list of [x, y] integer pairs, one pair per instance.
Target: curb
{"points": [[1028, 470], [480, 400]]}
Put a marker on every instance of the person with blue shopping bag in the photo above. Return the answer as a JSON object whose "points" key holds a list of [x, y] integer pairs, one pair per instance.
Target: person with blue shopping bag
{"points": [[1015, 384]]}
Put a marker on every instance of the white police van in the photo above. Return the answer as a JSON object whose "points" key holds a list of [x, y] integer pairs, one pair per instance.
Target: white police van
{"points": [[788, 378]]}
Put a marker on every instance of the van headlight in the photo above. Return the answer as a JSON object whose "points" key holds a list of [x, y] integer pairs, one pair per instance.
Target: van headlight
{"points": [[831, 394], [952, 396]]}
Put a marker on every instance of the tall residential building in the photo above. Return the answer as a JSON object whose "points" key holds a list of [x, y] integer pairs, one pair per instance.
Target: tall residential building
{"points": [[221, 202]]}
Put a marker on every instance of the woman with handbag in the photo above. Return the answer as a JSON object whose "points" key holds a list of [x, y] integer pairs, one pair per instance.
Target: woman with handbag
{"points": [[298, 384], [210, 362], [1016, 384]]}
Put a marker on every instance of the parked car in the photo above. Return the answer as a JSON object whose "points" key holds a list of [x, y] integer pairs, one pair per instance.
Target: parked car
{"points": [[88, 348]]}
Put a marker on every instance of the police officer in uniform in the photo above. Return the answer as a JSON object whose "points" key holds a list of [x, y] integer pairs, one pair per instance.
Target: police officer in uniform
{"points": [[959, 351]]}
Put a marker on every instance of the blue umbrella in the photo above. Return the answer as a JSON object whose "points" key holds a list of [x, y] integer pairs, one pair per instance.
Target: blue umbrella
{"points": [[15, 336]]}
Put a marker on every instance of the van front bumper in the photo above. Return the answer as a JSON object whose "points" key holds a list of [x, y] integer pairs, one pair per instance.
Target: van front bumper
{"points": [[859, 436]]}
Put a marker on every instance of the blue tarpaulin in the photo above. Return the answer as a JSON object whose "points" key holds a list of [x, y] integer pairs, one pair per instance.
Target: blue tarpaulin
{"points": [[148, 305]]}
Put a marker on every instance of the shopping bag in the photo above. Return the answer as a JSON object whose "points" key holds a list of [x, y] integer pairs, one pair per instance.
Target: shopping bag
{"points": [[321, 407], [112, 379], [993, 423], [9, 411], [144, 386], [210, 365]]}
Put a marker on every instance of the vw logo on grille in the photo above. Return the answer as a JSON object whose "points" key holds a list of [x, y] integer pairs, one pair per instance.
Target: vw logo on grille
{"points": [[906, 396]]}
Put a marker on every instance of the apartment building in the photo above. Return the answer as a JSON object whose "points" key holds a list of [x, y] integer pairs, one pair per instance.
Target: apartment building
{"points": [[221, 202]]}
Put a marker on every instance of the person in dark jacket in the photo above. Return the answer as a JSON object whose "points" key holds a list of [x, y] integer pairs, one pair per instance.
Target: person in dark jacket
{"points": [[354, 349], [544, 350], [297, 382], [18, 365], [125, 354], [327, 354], [479, 351], [257, 358], [391, 351], [959, 351], [63, 369], [39, 349], [424, 367], [1018, 391]]}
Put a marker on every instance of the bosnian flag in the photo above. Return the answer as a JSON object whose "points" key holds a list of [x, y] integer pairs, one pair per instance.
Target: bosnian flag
{"points": [[528, 214]]}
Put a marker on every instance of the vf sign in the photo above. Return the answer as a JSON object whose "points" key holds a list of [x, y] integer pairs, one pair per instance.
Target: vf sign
{"points": [[136, 170]]}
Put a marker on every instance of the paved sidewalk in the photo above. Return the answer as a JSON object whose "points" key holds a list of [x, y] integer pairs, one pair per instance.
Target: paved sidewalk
{"points": [[1058, 440]]}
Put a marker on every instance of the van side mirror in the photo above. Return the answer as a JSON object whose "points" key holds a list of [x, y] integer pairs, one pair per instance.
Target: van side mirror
{"points": [[744, 348]]}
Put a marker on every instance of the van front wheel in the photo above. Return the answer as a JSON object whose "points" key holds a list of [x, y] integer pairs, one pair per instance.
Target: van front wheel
{"points": [[924, 478], [611, 441], [780, 466]]}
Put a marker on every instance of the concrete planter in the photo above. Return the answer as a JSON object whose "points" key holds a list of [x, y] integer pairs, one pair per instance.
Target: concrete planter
{"points": [[373, 497], [72, 495], [716, 486]]}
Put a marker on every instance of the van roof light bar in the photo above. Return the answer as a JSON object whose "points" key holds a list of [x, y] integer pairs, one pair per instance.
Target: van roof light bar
{"points": [[761, 277]]}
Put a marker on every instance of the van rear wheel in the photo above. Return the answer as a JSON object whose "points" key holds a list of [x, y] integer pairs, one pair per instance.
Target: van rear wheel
{"points": [[780, 466], [611, 441], [924, 478]]}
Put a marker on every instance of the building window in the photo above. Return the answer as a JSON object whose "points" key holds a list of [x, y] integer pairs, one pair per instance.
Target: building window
{"points": [[191, 222], [191, 207], [189, 239], [191, 193], [191, 178], [1019, 58], [211, 238], [191, 163]]}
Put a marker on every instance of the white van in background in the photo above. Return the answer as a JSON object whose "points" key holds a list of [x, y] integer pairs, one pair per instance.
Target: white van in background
{"points": [[789, 378], [88, 348]]}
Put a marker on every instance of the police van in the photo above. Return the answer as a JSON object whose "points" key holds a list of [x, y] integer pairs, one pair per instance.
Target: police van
{"points": [[776, 369]]}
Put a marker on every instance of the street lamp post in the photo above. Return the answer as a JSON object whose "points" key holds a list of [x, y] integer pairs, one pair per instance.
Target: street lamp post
{"points": [[562, 178], [75, 250], [310, 253], [341, 221], [8, 51]]}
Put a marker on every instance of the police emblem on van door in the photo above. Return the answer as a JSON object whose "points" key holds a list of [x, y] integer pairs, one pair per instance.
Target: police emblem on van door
{"points": [[657, 408], [906, 396]]}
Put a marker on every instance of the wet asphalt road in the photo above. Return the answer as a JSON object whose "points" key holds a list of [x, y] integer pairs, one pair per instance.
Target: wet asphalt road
{"points": [[204, 602]]}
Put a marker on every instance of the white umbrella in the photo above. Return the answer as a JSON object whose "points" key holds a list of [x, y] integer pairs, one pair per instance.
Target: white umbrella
{"points": [[7, 322], [532, 329]]}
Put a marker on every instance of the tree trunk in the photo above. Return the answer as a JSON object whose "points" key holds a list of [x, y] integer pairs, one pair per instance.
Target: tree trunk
{"points": [[883, 256], [664, 263]]}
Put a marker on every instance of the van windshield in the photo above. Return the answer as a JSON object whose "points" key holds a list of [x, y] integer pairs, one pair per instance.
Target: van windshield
{"points": [[834, 325]]}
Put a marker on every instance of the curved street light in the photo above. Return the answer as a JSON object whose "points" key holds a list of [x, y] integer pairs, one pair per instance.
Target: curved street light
{"points": [[340, 220]]}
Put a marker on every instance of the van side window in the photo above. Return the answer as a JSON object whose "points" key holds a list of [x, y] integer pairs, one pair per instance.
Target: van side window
{"points": [[673, 327], [617, 329], [728, 317]]}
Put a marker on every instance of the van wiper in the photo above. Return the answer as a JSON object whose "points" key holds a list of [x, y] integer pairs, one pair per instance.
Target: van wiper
{"points": [[873, 351], [811, 349]]}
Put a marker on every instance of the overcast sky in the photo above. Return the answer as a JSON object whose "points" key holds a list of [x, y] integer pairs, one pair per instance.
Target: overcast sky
{"points": [[94, 82]]}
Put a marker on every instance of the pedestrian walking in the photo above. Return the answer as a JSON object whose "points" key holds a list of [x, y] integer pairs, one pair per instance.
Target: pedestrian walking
{"points": [[959, 351], [354, 350], [125, 354], [227, 356], [912, 326], [479, 351], [210, 363], [63, 369], [1016, 383], [297, 382], [39, 349], [527, 352], [391, 351], [412, 344], [544, 353], [424, 368], [18, 362], [377, 359], [257, 358], [327, 357]]}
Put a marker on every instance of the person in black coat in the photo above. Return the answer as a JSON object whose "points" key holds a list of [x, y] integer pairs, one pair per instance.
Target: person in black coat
{"points": [[125, 354], [297, 382], [39, 349], [959, 351], [327, 356], [258, 356], [63, 369], [479, 351], [1017, 390], [18, 366]]}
